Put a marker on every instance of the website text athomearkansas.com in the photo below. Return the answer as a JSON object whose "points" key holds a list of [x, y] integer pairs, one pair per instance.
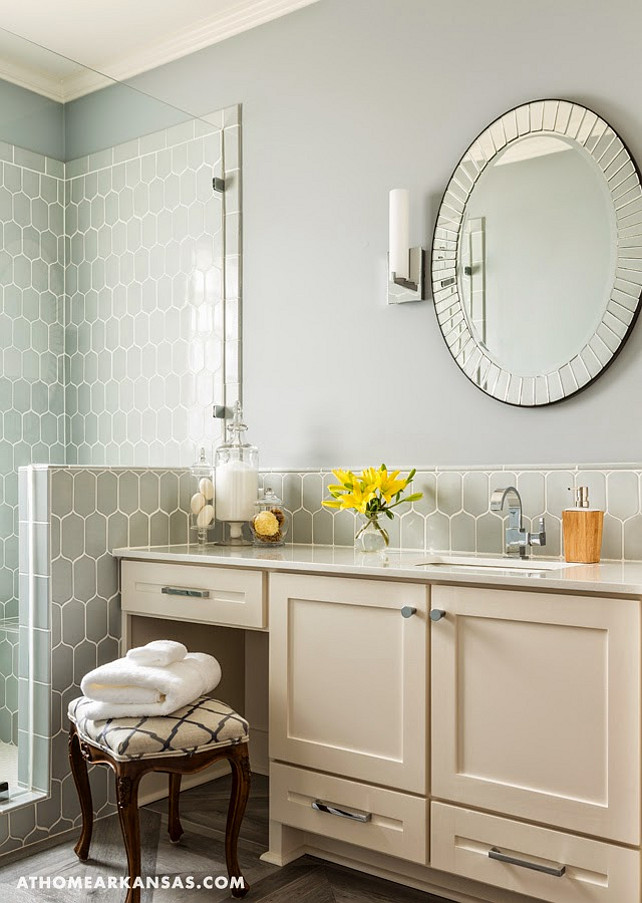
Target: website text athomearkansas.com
{"points": [[111, 882]]}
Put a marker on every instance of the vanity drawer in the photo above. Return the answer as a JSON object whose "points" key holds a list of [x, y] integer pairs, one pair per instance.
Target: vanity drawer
{"points": [[593, 871], [385, 820], [222, 595]]}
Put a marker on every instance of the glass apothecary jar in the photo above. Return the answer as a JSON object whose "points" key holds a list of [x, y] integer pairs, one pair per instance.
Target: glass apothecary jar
{"points": [[236, 471], [202, 499], [270, 523]]}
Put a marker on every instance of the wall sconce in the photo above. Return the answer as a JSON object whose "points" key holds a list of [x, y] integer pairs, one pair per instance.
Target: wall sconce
{"points": [[405, 264]]}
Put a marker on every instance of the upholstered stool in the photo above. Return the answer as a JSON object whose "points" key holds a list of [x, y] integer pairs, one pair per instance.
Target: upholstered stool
{"points": [[184, 742]]}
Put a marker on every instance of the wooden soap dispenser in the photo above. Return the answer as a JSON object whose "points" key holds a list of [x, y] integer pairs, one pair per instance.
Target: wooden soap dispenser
{"points": [[582, 529]]}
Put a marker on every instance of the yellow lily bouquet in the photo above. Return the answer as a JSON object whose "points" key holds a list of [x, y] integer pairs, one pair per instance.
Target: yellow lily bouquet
{"points": [[373, 494]]}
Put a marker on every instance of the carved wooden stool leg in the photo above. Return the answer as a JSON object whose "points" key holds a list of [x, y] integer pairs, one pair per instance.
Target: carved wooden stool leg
{"points": [[174, 823], [240, 762], [78, 767], [128, 778]]}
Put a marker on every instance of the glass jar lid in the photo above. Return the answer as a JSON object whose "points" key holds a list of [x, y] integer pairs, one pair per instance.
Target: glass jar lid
{"points": [[235, 431], [201, 467], [269, 500]]}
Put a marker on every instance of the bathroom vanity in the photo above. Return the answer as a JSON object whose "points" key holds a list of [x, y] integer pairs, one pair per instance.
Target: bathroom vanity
{"points": [[470, 730]]}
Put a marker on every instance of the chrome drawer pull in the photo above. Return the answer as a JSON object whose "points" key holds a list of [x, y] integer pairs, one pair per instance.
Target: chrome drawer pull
{"points": [[184, 591], [436, 614], [332, 810], [408, 612], [494, 853]]}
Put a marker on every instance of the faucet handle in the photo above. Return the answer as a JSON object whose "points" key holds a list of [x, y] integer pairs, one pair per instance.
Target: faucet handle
{"points": [[539, 538]]}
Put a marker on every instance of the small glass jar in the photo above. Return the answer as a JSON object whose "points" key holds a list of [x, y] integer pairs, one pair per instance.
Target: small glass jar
{"points": [[270, 523], [236, 469], [201, 499]]}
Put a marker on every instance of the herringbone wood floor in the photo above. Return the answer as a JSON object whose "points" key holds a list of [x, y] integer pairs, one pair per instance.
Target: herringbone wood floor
{"points": [[200, 853]]}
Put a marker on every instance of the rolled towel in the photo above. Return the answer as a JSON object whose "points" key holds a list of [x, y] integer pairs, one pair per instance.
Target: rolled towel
{"points": [[116, 687], [158, 652]]}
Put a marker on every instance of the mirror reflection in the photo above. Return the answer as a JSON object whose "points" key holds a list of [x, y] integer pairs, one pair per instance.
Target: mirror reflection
{"points": [[537, 254]]}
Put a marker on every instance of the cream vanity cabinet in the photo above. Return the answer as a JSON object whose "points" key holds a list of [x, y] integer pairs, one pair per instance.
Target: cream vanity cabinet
{"points": [[348, 703], [479, 742], [536, 717]]}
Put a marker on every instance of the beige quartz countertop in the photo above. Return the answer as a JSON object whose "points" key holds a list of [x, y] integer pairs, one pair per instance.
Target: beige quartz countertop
{"points": [[613, 578]]}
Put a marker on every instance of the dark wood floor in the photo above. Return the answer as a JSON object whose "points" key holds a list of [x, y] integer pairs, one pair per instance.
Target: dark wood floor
{"points": [[201, 853]]}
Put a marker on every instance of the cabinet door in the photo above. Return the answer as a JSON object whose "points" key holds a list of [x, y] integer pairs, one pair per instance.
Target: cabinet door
{"points": [[536, 707], [348, 678]]}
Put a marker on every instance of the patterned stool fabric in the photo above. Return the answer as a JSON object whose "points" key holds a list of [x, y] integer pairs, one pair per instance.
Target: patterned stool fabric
{"points": [[202, 725]]}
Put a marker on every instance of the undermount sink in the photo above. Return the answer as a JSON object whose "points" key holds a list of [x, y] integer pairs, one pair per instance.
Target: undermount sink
{"points": [[510, 564]]}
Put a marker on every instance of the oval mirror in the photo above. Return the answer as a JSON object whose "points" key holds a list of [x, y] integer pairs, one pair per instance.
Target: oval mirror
{"points": [[537, 253]]}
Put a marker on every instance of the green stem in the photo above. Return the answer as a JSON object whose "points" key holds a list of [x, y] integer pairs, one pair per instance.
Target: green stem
{"points": [[373, 519]]}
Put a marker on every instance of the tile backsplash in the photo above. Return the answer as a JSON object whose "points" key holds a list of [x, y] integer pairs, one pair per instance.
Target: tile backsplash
{"points": [[454, 513]]}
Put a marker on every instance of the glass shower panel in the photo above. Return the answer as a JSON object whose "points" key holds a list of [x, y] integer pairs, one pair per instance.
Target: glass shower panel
{"points": [[144, 280], [111, 325], [32, 392]]}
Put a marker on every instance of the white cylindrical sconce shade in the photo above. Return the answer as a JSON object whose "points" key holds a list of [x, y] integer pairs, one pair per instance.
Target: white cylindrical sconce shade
{"points": [[399, 237]]}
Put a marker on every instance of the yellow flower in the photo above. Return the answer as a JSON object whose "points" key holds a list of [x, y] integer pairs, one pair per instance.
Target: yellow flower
{"points": [[373, 485], [345, 477], [389, 485], [369, 479], [357, 499]]}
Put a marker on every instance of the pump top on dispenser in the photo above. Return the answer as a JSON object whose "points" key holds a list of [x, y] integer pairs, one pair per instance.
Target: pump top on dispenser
{"points": [[580, 496], [236, 472]]}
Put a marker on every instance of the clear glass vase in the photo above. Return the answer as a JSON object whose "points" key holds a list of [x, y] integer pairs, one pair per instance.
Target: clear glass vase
{"points": [[371, 536]]}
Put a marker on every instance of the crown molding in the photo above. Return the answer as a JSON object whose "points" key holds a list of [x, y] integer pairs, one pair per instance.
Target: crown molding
{"points": [[32, 80], [242, 17]]}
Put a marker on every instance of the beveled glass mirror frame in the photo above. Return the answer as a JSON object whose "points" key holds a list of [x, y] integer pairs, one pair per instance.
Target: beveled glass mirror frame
{"points": [[589, 131]]}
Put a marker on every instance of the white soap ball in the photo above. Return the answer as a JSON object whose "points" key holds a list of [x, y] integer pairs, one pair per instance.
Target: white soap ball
{"points": [[198, 502], [206, 487], [205, 517]]}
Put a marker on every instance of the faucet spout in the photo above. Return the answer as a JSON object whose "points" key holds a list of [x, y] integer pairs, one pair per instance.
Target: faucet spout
{"points": [[518, 539], [498, 500]]}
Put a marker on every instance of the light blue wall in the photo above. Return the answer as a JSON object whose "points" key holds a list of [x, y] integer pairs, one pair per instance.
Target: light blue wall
{"points": [[342, 101], [31, 121], [113, 116], [108, 117]]}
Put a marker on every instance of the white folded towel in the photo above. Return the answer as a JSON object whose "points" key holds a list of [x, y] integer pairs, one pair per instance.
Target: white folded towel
{"points": [[158, 652], [125, 689]]}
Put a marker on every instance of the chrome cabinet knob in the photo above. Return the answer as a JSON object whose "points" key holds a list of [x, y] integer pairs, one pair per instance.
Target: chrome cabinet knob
{"points": [[408, 612], [436, 614]]}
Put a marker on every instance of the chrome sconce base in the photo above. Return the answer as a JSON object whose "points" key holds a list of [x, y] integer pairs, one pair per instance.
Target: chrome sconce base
{"points": [[412, 288]]}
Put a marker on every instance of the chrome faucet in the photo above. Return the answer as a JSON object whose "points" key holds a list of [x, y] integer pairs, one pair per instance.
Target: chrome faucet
{"points": [[518, 540]]}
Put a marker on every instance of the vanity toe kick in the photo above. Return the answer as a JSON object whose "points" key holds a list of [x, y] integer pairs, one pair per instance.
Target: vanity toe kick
{"points": [[531, 860]]}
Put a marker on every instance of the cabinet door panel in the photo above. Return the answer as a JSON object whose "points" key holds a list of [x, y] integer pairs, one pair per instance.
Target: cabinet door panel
{"points": [[536, 707], [348, 678]]}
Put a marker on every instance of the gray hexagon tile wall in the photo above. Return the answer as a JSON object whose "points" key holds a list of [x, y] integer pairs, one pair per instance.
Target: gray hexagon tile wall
{"points": [[70, 517]]}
